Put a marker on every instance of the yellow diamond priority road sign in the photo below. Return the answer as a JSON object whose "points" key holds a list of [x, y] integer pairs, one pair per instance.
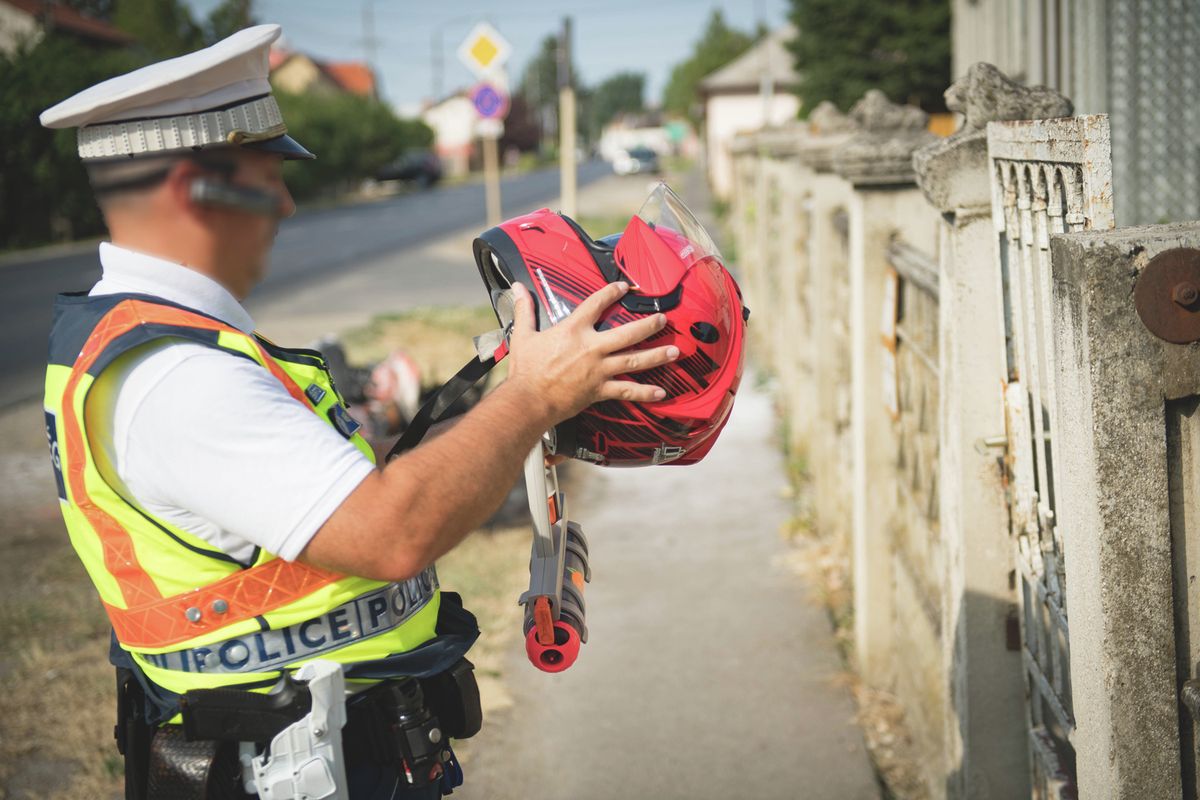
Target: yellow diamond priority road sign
{"points": [[484, 51]]}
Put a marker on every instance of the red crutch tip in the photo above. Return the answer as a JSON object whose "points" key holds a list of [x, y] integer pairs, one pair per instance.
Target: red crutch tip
{"points": [[554, 657]]}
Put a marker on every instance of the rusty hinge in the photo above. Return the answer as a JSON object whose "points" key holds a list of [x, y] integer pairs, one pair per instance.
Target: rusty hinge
{"points": [[1167, 295]]}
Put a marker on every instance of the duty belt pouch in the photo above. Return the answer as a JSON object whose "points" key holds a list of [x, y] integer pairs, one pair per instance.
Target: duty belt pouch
{"points": [[453, 697], [180, 769]]}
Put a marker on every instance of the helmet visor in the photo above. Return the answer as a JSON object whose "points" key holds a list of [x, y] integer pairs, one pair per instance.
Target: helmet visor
{"points": [[665, 210]]}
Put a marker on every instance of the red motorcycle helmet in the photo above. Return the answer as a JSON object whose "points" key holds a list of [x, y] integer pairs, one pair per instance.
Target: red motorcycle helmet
{"points": [[673, 267]]}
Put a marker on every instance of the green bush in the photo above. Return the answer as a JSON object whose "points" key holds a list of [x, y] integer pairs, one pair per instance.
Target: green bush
{"points": [[351, 136]]}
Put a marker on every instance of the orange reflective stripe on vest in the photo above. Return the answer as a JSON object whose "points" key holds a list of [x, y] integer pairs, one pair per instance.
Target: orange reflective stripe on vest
{"points": [[150, 620]]}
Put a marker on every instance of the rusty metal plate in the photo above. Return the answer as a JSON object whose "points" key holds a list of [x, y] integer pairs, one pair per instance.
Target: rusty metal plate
{"points": [[1167, 295]]}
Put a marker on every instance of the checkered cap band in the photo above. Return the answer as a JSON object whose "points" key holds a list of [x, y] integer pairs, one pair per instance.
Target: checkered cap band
{"points": [[190, 131]]}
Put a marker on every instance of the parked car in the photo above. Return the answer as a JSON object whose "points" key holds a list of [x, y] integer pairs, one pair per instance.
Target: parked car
{"points": [[635, 160], [421, 167]]}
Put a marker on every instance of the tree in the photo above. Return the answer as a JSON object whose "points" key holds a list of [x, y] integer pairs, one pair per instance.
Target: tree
{"points": [[717, 46], [100, 9], [163, 28], [539, 85], [845, 47], [622, 93], [522, 129], [352, 137], [229, 17], [44, 191]]}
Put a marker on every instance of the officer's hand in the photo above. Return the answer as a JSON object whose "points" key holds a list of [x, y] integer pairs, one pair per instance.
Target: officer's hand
{"points": [[572, 365]]}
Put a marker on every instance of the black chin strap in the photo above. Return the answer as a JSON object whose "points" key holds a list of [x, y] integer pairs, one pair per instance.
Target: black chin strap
{"points": [[436, 406]]}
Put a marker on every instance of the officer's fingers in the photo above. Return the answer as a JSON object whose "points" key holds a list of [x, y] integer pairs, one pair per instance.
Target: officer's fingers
{"points": [[631, 333], [524, 320], [631, 392], [638, 360], [587, 312]]}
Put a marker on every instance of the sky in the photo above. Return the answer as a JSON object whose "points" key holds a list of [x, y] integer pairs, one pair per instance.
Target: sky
{"points": [[610, 36]]}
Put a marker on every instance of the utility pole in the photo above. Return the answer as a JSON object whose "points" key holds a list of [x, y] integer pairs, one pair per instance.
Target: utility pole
{"points": [[566, 121], [766, 82], [491, 177], [435, 52], [370, 42]]}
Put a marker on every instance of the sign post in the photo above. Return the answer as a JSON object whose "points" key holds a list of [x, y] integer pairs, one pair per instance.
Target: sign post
{"points": [[484, 51], [566, 121]]}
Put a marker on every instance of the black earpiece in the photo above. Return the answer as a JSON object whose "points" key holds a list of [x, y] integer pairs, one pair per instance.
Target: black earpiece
{"points": [[240, 198]]}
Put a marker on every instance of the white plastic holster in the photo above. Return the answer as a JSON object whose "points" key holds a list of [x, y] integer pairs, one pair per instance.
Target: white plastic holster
{"points": [[304, 760]]}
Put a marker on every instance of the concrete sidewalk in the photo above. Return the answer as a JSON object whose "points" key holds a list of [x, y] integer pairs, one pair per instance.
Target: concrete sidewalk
{"points": [[708, 673]]}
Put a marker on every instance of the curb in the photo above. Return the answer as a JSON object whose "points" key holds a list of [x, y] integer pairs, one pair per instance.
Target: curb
{"points": [[47, 252]]}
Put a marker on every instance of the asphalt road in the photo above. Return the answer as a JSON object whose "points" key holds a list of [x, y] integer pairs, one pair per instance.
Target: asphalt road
{"points": [[311, 246]]}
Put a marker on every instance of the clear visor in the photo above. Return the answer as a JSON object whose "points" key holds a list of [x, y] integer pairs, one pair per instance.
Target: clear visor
{"points": [[664, 209]]}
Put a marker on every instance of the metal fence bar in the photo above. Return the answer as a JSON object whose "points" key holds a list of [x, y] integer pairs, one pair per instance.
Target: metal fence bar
{"points": [[1048, 176]]}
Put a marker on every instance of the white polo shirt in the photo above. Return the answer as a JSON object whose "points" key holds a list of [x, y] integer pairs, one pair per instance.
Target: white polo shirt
{"points": [[207, 440]]}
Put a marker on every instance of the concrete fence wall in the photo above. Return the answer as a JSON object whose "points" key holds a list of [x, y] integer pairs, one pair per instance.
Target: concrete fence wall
{"points": [[986, 421]]}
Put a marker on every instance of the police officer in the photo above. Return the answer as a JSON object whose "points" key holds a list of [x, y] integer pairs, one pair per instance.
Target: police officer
{"points": [[220, 497]]}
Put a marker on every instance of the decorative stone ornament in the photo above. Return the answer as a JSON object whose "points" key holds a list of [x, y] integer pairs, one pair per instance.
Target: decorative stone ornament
{"points": [[880, 154], [986, 95], [829, 129], [783, 141], [827, 119], [952, 172]]}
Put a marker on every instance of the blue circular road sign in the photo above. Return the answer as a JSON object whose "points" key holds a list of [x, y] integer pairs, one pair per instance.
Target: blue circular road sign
{"points": [[490, 102]]}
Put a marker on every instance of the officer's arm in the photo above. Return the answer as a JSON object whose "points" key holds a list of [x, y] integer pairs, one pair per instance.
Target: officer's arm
{"points": [[403, 517]]}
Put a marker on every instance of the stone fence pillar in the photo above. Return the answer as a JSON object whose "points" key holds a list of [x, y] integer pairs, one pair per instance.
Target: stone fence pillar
{"points": [[986, 733], [823, 200], [885, 205], [1129, 490], [784, 280]]}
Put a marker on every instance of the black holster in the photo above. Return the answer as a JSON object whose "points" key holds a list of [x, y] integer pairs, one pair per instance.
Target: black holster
{"points": [[161, 763], [453, 696], [133, 733]]}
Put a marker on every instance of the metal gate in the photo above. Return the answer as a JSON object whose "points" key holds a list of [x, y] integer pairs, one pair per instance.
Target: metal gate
{"points": [[1048, 177]]}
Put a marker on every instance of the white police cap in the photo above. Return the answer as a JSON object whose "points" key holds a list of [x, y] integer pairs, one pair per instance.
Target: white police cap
{"points": [[215, 97]]}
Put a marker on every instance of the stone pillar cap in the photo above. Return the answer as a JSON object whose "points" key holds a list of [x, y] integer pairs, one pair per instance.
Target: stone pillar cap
{"points": [[880, 153], [952, 172]]}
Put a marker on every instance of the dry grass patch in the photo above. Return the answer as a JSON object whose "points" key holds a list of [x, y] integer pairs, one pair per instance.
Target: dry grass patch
{"points": [[439, 339], [58, 705], [490, 570]]}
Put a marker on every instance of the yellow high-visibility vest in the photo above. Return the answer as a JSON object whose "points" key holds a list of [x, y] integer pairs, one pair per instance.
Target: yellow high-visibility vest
{"points": [[190, 615]]}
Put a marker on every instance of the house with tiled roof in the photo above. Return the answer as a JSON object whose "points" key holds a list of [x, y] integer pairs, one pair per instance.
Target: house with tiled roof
{"points": [[300, 73], [733, 101], [23, 21]]}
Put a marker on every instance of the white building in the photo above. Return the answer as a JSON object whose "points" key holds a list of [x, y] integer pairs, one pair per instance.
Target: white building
{"points": [[734, 101], [453, 123]]}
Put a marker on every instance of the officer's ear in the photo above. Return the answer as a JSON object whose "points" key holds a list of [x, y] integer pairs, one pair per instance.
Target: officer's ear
{"points": [[178, 185]]}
